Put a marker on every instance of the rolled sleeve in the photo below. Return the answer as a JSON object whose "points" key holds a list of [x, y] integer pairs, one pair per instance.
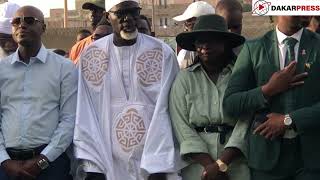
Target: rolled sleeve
{"points": [[189, 139], [193, 146], [238, 138]]}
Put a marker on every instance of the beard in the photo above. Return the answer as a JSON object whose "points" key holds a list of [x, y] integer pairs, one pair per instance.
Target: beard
{"points": [[129, 35]]}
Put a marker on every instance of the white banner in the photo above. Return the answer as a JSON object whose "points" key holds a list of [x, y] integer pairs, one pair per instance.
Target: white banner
{"points": [[286, 7]]}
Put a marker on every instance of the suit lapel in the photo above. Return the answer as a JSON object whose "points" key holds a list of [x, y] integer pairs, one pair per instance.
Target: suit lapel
{"points": [[305, 49], [271, 47]]}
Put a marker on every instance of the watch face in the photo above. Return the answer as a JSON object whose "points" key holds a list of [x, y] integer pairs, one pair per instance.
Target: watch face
{"points": [[287, 121], [223, 168], [43, 164]]}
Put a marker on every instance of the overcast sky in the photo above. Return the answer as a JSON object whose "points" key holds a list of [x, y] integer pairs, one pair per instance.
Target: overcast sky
{"points": [[46, 5]]}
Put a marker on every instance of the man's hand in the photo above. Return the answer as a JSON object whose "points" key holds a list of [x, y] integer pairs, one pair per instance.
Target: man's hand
{"points": [[13, 168], [210, 172], [273, 127], [31, 166], [283, 80]]}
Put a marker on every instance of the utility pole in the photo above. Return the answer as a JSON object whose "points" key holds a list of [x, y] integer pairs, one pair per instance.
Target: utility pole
{"points": [[153, 18], [65, 19]]}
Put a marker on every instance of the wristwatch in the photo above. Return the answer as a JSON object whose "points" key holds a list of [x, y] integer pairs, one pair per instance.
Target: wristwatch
{"points": [[43, 164], [223, 167], [287, 120]]}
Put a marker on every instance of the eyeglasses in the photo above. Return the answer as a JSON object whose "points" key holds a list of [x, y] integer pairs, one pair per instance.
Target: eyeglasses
{"points": [[134, 12], [28, 20]]}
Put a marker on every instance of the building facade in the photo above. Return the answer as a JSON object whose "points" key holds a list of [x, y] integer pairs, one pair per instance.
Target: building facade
{"points": [[164, 10]]}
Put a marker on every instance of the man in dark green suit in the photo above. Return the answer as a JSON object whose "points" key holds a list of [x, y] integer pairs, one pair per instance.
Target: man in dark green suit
{"points": [[277, 79]]}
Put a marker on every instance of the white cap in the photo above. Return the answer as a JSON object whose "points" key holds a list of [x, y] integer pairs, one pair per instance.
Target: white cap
{"points": [[7, 12], [111, 3], [196, 9]]}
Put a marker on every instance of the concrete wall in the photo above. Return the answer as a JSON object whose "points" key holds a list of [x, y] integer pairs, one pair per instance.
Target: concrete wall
{"points": [[253, 26], [60, 38]]}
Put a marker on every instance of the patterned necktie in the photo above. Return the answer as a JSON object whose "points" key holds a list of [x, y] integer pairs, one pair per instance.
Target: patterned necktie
{"points": [[290, 55]]}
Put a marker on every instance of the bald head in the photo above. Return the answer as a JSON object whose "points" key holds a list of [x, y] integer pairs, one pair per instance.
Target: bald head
{"points": [[101, 31], [30, 11], [231, 10]]}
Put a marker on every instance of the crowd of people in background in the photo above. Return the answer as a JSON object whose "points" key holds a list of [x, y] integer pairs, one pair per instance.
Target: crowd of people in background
{"points": [[123, 105]]}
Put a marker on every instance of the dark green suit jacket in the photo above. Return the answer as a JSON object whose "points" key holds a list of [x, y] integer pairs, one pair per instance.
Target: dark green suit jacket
{"points": [[258, 60]]}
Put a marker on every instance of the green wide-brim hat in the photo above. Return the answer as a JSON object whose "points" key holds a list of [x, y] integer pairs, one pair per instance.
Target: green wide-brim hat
{"points": [[93, 4], [210, 27]]}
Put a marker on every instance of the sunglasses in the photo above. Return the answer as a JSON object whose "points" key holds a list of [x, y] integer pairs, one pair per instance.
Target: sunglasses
{"points": [[134, 12], [28, 20]]}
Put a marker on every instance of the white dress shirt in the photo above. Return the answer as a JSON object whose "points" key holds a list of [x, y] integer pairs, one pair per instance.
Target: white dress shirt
{"points": [[282, 56], [38, 103], [282, 47]]}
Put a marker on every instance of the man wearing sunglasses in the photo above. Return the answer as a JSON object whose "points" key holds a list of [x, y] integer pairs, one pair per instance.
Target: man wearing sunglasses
{"points": [[38, 98], [7, 44], [123, 130], [189, 17]]}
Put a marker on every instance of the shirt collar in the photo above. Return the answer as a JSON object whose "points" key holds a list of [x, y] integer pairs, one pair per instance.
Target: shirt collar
{"points": [[226, 70], [194, 67], [41, 56], [282, 36]]}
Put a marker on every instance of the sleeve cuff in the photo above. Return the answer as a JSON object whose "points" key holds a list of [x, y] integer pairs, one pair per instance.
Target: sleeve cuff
{"points": [[193, 146], [3, 156], [299, 126], [238, 138], [259, 99], [158, 164], [89, 166], [51, 153], [236, 144]]}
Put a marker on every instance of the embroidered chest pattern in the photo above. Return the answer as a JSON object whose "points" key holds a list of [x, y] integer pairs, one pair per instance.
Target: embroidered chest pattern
{"points": [[130, 130], [94, 65], [149, 67]]}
